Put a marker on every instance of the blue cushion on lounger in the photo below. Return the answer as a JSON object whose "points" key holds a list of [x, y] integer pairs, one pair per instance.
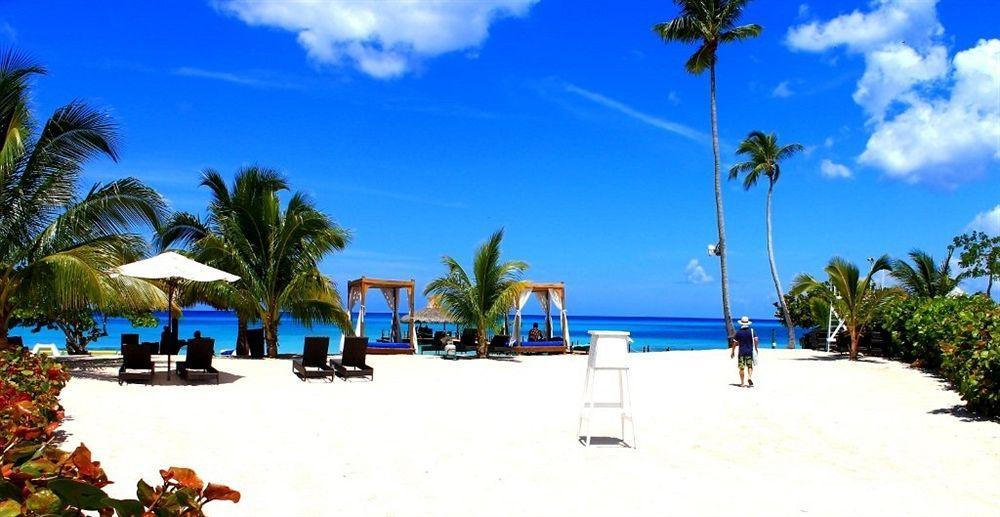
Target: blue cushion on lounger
{"points": [[388, 345], [541, 343]]}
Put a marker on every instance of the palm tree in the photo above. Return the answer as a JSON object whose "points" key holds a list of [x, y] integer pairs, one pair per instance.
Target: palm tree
{"points": [[57, 246], [276, 251], [711, 23], [482, 300], [856, 300], [765, 156], [924, 279]]}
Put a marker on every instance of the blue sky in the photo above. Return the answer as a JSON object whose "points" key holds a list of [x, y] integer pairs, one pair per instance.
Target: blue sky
{"points": [[424, 128]]}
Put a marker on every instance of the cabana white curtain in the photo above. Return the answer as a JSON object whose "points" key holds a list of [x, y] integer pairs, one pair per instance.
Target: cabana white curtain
{"points": [[543, 299], [353, 297], [391, 295], [522, 300], [563, 317]]}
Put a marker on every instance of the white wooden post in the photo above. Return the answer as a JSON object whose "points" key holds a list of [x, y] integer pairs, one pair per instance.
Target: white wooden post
{"points": [[608, 352]]}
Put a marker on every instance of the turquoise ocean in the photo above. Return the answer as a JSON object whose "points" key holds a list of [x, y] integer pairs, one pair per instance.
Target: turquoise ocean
{"points": [[652, 333]]}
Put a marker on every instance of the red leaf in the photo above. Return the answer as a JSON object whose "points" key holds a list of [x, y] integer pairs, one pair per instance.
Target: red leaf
{"points": [[186, 478], [221, 493]]}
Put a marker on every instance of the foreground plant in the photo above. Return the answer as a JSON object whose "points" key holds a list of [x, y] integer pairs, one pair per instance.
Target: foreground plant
{"points": [[764, 159], [56, 245], [480, 300], [855, 298], [38, 479], [709, 24]]}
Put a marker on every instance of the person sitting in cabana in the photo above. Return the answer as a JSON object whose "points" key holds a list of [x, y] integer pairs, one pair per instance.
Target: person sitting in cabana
{"points": [[535, 334]]}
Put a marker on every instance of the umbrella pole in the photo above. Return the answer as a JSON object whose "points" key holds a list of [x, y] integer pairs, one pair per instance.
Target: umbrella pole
{"points": [[170, 323]]}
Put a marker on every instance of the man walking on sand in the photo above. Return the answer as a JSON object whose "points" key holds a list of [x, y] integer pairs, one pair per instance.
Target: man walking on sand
{"points": [[746, 340]]}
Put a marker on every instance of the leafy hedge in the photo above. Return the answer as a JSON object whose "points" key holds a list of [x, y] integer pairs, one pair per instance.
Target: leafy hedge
{"points": [[958, 336], [40, 479]]}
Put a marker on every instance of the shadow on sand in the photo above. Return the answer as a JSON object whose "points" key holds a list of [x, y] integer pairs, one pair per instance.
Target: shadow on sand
{"points": [[106, 369]]}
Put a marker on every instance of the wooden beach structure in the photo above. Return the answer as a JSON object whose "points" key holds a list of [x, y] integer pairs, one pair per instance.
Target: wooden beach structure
{"points": [[548, 294], [357, 291]]}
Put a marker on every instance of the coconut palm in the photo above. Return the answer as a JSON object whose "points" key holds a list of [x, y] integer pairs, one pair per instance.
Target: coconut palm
{"points": [[275, 250], [56, 245], [924, 278], [710, 23], [856, 299], [765, 156], [480, 301]]}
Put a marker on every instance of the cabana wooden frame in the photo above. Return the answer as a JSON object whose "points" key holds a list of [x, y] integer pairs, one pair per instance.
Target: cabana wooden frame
{"points": [[357, 291], [548, 291]]}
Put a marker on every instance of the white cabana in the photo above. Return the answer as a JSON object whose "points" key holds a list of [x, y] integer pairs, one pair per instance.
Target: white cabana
{"points": [[172, 268], [357, 291], [548, 295]]}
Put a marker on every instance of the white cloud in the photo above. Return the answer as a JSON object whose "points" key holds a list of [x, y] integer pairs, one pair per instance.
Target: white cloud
{"points": [[932, 120], [834, 170], [673, 98], [229, 77], [828, 143], [987, 222], [782, 90], [8, 33], [652, 120], [381, 38], [803, 10], [892, 71], [891, 20], [695, 273], [945, 140]]}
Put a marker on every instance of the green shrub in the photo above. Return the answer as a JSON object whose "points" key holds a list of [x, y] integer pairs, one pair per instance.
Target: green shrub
{"points": [[971, 359], [958, 336]]}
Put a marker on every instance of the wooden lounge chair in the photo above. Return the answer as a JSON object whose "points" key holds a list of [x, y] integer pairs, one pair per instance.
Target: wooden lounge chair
{"points": [[313, 363], [130, 339], [500, 344], [198, 363], [352, 360], [137, 365], [255, 342]]}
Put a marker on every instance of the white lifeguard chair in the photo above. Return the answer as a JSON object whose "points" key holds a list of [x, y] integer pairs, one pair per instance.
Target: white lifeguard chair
{"points": [[608, 353], [49, 349]]}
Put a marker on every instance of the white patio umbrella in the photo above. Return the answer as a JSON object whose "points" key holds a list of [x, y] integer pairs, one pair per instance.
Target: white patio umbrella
{"points": [[172, 268]]}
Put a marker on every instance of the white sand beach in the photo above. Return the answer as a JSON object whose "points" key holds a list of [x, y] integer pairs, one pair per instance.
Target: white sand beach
{"points": [[498, 437]]}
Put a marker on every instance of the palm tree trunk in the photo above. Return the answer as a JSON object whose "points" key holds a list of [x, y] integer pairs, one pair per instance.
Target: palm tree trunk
{"points": [[4, 327], [774, 269], [855, 341], [719, 216], [989, 286], [271, 336], [481, 347], [241, 337]]}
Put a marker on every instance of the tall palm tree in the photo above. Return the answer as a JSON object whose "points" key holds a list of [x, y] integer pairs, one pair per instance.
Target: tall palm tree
{"points": [[56, 245], [275, 250], [481, 300], [710, 23], [857, 300], [924, 279], [765, 156]]}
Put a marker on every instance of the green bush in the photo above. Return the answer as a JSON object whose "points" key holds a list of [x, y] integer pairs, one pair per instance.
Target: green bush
{"points": [[958, 336], [971, 359]]}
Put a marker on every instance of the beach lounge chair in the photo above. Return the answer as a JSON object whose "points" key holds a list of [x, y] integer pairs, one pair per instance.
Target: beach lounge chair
{"points": [[198, 363], [468, 341], [255, 342], [500, 344], [137, 365], [130, 339], [352, 360], [313, 363], [434, 344]]}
